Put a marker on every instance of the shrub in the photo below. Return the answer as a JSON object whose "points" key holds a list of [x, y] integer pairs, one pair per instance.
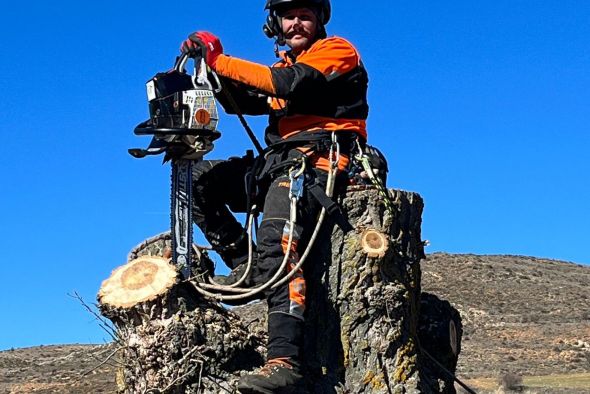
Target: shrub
{"points": [[511, 381]]}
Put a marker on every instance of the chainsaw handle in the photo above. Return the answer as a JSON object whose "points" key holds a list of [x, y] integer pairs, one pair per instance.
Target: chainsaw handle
{"points": [[200, 77], [183, 58]]}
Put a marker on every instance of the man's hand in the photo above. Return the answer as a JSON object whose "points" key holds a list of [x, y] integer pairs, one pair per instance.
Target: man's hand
{"points": [[204, 42]]}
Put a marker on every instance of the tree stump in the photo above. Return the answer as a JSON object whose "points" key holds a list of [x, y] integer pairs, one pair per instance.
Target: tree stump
{"points": [[364, 294], [362, 316], [173, 340]]}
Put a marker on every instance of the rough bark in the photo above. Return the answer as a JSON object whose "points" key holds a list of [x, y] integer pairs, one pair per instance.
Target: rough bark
{"points": [[178, 342], [362, 320], [363, 311]]}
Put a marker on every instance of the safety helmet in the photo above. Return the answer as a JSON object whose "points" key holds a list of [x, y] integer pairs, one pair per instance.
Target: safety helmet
{"points": [[272, 27]]}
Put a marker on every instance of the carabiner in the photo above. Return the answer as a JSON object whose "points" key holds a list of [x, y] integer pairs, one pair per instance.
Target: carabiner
{"points": [[334, 149], [296, 182]]}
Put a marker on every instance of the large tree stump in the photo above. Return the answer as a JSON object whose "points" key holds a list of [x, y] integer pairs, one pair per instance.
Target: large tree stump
{"points": [[362, 319], [364, 292]]}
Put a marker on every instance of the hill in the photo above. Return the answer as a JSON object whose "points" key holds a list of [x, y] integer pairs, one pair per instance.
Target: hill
{"points": [[521, 315]]}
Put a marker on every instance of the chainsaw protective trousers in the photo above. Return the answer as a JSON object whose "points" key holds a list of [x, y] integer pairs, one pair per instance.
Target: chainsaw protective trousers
{"points": [[219, 190]]}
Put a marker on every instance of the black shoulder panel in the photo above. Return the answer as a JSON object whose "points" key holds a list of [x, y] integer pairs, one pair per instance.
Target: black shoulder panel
{"points": [[298, 80], [309, 92]]}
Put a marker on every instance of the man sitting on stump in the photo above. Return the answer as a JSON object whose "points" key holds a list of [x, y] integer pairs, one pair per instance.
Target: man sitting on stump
{"points": [[315, 97]]}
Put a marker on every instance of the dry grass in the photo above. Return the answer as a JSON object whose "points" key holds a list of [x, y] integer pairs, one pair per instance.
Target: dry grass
{"points": [[578, 382], [574, 381]]}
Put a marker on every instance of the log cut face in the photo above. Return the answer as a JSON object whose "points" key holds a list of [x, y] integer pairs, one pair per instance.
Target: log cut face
{"points": [[140, 280]]}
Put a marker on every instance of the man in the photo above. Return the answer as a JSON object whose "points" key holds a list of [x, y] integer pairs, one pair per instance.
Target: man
{"points": [[317, 89]]}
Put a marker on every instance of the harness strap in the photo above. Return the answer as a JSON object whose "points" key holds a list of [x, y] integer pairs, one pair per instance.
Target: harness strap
{"points": [[320, 195], [276, 155], [319, 140]]}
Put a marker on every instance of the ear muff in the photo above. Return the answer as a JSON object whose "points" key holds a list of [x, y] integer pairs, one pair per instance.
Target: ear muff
{"points": [[269, 27]]}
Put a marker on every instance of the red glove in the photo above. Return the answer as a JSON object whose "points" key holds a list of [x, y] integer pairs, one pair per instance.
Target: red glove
{"points": [[204, 42]]}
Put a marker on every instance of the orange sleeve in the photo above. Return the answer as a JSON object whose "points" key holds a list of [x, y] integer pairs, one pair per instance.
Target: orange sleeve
{"points": [[249, 73], [331, 56]]}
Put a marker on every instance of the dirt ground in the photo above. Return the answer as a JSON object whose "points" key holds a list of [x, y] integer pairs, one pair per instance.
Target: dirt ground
{"points": [[58, 369]]}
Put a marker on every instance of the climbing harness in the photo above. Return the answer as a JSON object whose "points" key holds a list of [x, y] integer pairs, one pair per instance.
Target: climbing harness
{"points": [[296, 188]]}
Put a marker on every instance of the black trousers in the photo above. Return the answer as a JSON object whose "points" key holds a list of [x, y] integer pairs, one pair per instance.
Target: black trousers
{"points": [[219, 188]]}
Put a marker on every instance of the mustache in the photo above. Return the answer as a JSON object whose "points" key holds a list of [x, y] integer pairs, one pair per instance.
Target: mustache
{"points": [[292, 33]]}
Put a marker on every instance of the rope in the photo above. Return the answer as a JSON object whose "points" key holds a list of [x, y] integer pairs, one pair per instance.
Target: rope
{"points": [[274, 282], [364, 160], [209, 289]]}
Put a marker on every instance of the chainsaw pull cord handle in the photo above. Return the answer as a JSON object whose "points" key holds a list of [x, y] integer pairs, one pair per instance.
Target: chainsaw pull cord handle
{"points": [[200, 75]]}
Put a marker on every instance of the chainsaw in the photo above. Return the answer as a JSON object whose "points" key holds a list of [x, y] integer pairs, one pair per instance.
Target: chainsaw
{"points": [[183, 125]]}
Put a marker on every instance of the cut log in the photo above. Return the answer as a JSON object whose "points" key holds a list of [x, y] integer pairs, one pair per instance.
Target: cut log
{"points": [[363, 325], [440, 330]]}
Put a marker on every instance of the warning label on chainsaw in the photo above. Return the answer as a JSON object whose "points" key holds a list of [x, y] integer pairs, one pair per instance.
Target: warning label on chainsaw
{"points": [[203, 109]]}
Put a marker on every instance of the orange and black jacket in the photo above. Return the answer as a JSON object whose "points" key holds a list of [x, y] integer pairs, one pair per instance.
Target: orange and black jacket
{"points": [[323, 89]]}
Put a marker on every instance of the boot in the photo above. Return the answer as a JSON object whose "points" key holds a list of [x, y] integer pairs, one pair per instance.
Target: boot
{"points": [[278, 375]]}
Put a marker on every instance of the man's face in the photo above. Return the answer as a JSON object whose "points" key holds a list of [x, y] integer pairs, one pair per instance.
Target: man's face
{"points": [[299, 27]]}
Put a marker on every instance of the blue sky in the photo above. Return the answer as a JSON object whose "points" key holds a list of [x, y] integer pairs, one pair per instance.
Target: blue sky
{"points": [[481, 107]]}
